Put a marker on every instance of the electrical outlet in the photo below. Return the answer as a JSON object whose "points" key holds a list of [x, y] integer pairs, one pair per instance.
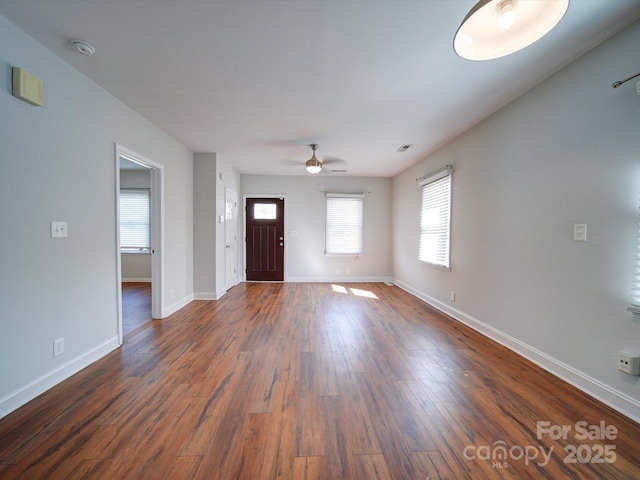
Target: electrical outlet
{"points": [[628, 363], [453, 296], [58, 347]]}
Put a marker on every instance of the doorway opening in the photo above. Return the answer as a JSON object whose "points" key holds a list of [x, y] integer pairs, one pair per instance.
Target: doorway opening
{"points": [[139, 200]]}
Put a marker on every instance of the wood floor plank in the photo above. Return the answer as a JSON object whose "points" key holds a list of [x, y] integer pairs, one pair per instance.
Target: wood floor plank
{"points": [[432, 465], [371, 467], [392, 439], [337, 457], [308, 468], [214, 407], [252, 448], [309, 426], [151, 437], [309, 381], [223, 452], [182, 468], [359, 432], [281, 441], [262, 394]]}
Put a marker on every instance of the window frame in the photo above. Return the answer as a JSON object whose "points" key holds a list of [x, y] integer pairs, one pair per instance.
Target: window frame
{"points": [[353, 199], [440, 182], [135, 250], [634, 304]]}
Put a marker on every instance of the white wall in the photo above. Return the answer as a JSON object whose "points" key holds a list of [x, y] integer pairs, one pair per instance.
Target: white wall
{"points": [[136, 267], [305, 213], [566, 153], [204, 225], [57, 163]]}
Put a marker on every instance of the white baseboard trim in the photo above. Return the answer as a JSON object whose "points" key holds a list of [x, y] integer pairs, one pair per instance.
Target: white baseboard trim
{"points": [[25, 394], [214, 296], [171, 309], [619, 401], [338, 279], [205, 296], [209, 295], [137, 280]]}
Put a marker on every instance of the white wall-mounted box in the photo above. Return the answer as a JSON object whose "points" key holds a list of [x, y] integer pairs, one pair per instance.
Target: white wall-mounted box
{"points": [[26, 86]]}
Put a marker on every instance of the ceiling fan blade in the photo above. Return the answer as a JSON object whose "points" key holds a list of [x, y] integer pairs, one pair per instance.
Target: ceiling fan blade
{"points": [[285, 162], [335, 163]]}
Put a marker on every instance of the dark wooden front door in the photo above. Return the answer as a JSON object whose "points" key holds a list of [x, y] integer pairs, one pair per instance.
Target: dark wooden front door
{"points": [[265, 239]]}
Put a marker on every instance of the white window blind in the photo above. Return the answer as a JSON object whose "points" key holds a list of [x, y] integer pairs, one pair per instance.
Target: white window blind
{"points": [[344, 224], [134, 221], [635, 289], [435, 218]]}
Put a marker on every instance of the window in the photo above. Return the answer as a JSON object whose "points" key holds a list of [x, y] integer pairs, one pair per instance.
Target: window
{"points": [[635, 289], [134, 221], [344, 224], [435, 218], [264, 211]]}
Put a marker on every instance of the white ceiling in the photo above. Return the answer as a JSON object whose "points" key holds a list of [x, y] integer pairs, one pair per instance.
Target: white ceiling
{"points": [[257, 81]]}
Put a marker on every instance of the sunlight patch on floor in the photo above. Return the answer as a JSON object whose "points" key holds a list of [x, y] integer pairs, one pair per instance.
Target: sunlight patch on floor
{"points": [[363, 293], [339, 288], [355, 291]]}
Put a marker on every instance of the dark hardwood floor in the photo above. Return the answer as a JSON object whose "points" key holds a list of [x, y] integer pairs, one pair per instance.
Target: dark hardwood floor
{"points": [[136, 305], [301, 381]]}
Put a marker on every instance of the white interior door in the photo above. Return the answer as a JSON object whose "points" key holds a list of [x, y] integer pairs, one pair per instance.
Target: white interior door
{"points": [[231, 238]]}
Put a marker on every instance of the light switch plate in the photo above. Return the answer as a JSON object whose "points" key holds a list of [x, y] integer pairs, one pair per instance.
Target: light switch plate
{"points": [[59, 230], [580, 232]]}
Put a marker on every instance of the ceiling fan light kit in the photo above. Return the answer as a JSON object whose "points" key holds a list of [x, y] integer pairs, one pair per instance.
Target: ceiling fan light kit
{"points": [[314, 165], [495, 28]]}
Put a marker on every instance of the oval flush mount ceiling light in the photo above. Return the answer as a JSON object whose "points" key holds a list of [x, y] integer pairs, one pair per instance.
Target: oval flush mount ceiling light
{"points": [[83, 47], [495, 28]]}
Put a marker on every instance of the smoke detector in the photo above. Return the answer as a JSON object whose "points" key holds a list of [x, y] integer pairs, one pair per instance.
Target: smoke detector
{"points": [[82, 47]]}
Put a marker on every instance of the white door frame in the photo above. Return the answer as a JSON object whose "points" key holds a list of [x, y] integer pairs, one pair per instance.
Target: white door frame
{"points": [[157, 232]]}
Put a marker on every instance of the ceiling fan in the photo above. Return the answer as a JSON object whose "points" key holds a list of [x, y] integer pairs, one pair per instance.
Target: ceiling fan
{"points": [[314, 164]]}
